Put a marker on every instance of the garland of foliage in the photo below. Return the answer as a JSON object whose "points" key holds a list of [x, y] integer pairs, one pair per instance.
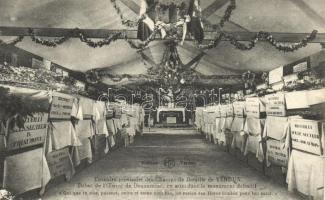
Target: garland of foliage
{"points": [[259, 37], [106, 41], [53, 43], [142, 44], [49, 43], [225, 18], [125, 22], [228, 13]]}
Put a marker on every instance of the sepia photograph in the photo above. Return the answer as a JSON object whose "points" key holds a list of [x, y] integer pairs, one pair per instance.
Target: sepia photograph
{"points": [[162, 99]]}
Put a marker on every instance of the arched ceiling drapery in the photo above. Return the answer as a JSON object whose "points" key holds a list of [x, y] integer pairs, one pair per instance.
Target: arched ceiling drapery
{"points": [[287, 16]]}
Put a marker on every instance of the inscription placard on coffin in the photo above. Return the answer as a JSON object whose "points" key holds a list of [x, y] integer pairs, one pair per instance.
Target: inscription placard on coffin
{"points": [[61, 106], [275, 105], [306, 135], [60, 163], [276, 153], [252, 106], [33, 133]]}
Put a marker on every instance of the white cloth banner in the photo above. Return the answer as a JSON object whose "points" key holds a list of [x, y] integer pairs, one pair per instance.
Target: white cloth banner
{"points": [[101, 127], [26, 171], [87, 106], [82, 152], [276, 127], [84, 129], [306, 174], [254, 126], [254, 145], [111, 127], [239, 141], [99, 110], [238, 124], [62, 134]]}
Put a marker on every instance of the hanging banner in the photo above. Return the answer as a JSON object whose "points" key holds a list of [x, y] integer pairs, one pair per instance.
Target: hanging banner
{"points": [[276, 153], [61, 106], [275, 105], [33, 133], [239, 107], [60, 163], [305, 135]]}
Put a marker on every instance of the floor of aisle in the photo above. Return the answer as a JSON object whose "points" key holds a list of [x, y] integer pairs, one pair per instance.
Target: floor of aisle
{"points": [[159, 166]]}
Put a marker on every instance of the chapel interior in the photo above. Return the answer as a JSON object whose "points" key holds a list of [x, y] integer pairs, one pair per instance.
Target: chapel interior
{"points": [[162, 99]]}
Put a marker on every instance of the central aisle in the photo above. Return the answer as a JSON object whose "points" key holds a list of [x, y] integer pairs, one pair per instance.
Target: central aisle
{"points": [[169, 164]]}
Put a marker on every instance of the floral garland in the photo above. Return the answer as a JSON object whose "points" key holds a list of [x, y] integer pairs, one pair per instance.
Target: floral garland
{"points": [[101, 43], [225, 18], [82, 37], [269, 38], [259, 37], [125, 22], [49, 43], [228, 13], [142, 44]]}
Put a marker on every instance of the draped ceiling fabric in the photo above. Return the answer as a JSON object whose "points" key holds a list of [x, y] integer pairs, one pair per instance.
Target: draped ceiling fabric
{"points": [[250, 15]]}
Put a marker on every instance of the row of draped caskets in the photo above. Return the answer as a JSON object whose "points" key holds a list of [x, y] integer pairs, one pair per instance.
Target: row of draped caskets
{"points": [[273, 129], [74, 130]]}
